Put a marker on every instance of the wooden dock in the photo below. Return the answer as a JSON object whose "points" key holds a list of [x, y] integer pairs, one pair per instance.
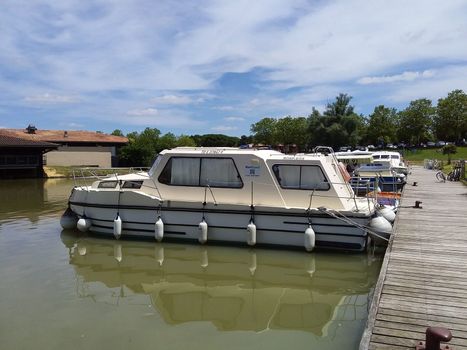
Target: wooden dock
{"points": [[423, 279]]}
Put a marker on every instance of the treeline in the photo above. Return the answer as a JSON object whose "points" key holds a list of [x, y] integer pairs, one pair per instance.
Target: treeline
{"points": [[337, 126]]}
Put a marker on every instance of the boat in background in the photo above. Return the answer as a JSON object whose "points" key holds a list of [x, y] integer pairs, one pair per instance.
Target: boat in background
{"points": [[231, 195], [394, 159]]}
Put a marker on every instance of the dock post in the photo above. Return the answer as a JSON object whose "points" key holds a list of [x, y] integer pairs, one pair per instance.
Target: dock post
{"points": [[434, 337]]}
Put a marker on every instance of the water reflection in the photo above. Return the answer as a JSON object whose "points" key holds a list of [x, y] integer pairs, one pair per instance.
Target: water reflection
{"points": [[234, 289], [31, 198]]}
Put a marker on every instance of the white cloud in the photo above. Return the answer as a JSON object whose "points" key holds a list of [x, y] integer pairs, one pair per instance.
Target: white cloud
{"points": [[406, 76], [172, 100], [116, 57], [224, 108], [143, 112], [234, 119], [224, 128], [48, 98]]}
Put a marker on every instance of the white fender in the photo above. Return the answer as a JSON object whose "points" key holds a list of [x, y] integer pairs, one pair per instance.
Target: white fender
{"points": [[203, 232], [159, 229], [204, 258], [117, 227], [252, 266], [251, 234], [68, 220], [83, 224], [159, 254], [118, 252], [387, 213], [310, 239], [381, 225]]}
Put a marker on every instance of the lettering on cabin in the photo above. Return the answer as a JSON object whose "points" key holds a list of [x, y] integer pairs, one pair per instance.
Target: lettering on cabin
{"points": [[252, 170], [212, 151], [293, 158]]}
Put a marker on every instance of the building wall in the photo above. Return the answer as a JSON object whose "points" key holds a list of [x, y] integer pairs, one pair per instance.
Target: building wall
{"points": [[74, 156]]}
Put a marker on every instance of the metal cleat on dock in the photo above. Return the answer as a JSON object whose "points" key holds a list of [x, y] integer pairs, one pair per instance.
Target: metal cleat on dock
{"points": [[434, 337]]}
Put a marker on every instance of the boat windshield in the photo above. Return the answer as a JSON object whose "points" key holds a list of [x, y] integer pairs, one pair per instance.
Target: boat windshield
{"points": [[154, 166]]}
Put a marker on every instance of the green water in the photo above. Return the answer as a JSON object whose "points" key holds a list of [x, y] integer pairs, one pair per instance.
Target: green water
{"points": [[66, 290]]}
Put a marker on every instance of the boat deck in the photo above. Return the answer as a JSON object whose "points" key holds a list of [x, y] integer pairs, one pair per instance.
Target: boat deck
{"points": [[423, 279]]}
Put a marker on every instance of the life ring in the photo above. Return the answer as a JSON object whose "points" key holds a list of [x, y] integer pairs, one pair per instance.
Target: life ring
{"points": [[345, 174]]}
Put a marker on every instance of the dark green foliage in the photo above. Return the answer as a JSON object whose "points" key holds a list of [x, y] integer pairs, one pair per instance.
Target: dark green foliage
{"points": [[415, 122], [338, 126], [449, 149], [382, 126], [450, 122], [216, 140]]}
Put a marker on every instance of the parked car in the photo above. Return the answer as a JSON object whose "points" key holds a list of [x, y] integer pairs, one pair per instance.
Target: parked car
{"points": [[440, 144], [371, 147], [345, 149], [430, 144], [391, 146], [401, 145]]}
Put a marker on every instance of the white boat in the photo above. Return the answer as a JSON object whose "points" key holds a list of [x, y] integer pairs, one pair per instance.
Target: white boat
{"points": [[382, 174], [234, 196], [393, 159]]}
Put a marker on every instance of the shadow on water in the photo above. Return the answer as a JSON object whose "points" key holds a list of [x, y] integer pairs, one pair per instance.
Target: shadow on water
{"points": [[233, 288]]}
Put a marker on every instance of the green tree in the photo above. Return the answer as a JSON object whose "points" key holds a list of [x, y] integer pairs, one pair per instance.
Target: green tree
{"points": [[265, 131], [450, 122], [186, 141], [415, 121], [449, 149], [166, 141], [382, 125], [117, 132], [291, 131], [338, 126]]}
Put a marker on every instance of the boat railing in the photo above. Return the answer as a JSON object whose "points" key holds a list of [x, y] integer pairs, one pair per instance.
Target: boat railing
{"points": [[82, 175]]}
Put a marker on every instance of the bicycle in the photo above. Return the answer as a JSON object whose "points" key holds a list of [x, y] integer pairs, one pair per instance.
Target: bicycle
{"points": [[440, 176]]}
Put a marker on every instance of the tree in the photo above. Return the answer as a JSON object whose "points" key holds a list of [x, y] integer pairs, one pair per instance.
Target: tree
{"points": [[382, 125], [340, 107], [291, 131], [265, 131], [185, 140], [415, 121], [449, 149], [450, 122], [117, 132], [216, 140], [338, 126]]}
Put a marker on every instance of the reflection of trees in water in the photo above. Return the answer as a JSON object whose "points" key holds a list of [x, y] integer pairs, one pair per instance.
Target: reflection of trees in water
{"points": [[235, 289], [30, 198]]}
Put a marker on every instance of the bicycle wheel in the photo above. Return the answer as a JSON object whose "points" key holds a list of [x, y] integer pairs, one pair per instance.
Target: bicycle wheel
{"points": [[440, 176]]}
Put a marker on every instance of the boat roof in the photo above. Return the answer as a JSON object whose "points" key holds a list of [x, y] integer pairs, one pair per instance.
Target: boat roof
{"points": [[393, 153], [231, 151]]}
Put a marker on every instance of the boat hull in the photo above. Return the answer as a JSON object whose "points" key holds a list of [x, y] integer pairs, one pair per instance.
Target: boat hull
{"points": [[226, 223]]}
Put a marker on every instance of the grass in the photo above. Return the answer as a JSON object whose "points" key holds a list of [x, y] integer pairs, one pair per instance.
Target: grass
{"points": [[417, 156]]}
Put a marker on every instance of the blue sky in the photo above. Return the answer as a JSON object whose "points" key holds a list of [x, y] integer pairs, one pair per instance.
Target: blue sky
{"points": [[198, 67]]}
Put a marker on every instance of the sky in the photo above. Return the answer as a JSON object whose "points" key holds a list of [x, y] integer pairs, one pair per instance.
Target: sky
{"points": [[198, 67]]}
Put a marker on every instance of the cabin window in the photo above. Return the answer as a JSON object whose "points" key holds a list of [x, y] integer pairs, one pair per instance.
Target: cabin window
{"points": [[107, 184], [132, 184], [214, 172], [219, 172], [303, 177], [377, 157], [395, 157], [385, 156]]}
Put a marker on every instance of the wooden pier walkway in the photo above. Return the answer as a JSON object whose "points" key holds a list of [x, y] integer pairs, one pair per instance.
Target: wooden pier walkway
{"points": [[423, 279]]}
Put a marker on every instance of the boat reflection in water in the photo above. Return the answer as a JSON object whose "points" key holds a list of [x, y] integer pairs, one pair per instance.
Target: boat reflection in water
{"points": [[233, 288]]}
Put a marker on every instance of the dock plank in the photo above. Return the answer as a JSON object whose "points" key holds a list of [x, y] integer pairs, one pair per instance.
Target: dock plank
{"points": [[423, 279]]}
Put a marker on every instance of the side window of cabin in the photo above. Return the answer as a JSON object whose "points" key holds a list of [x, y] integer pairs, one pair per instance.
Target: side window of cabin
{"points": [[132, 184], [219, 172], [181, 171], [305, 177], [313, 178], [107, 184], [215, 172]]}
